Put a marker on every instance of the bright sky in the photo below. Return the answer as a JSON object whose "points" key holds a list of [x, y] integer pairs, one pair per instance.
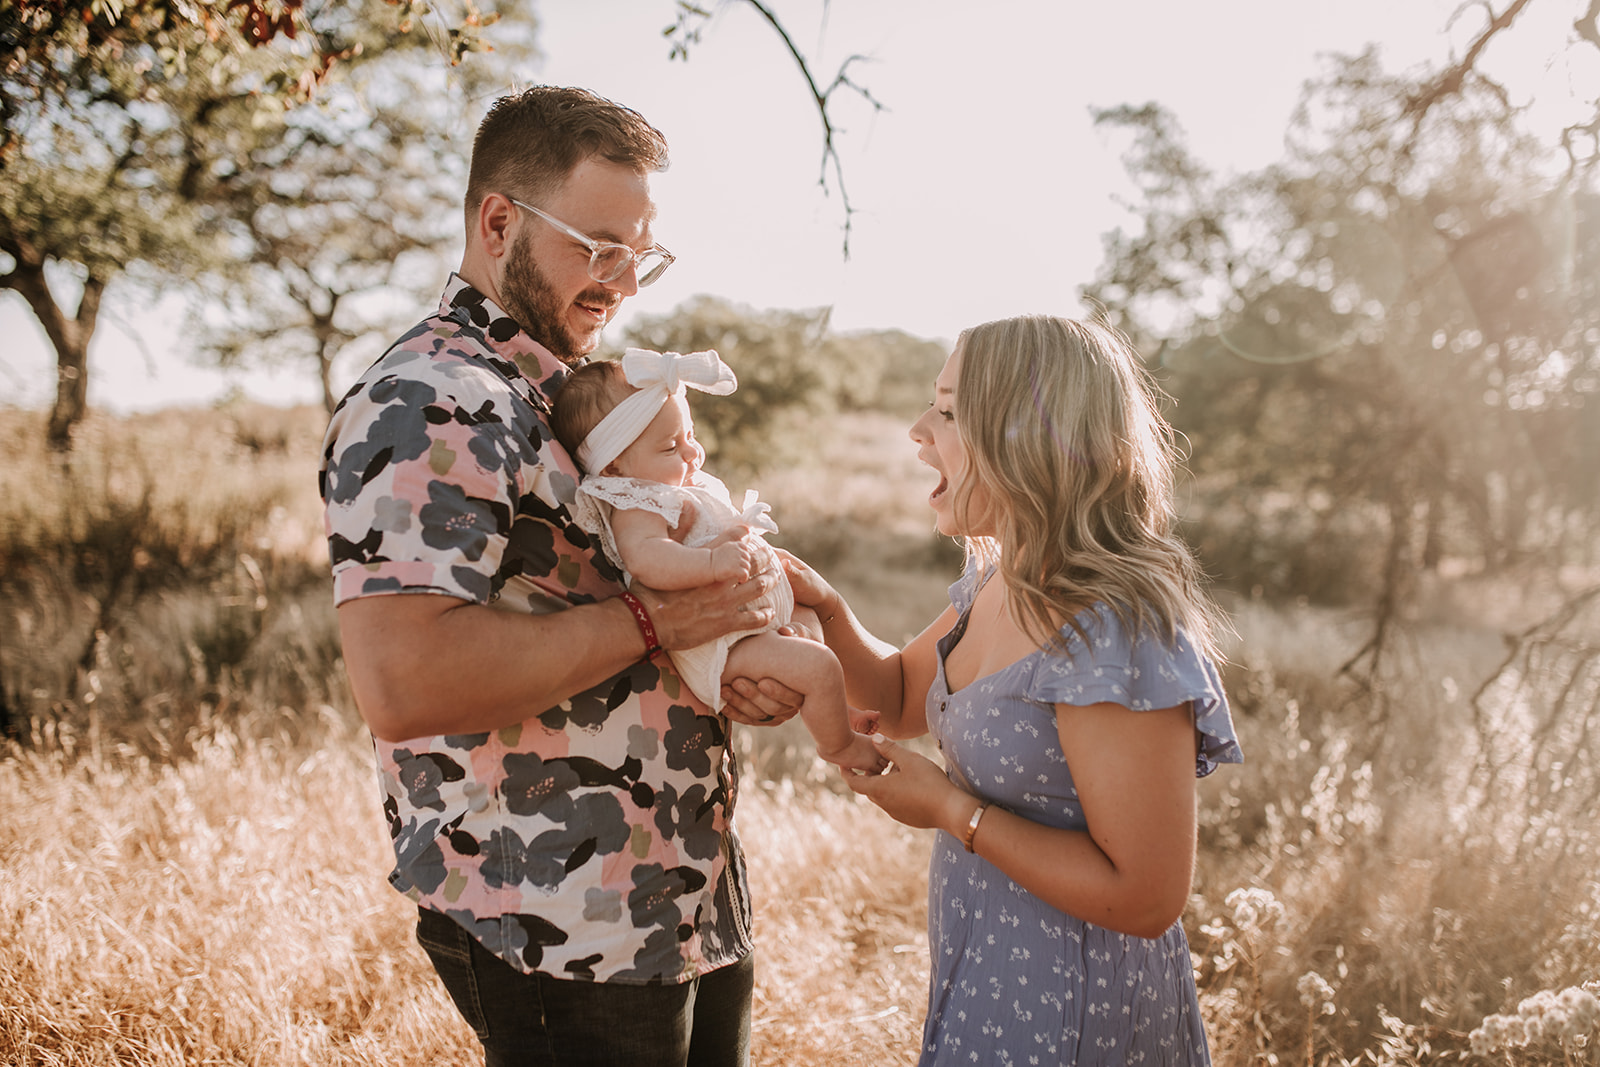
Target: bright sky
{"points": [[981, 191]]}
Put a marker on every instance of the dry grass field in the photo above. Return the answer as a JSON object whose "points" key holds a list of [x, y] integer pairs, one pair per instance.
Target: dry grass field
{"points": [[192, 855]]}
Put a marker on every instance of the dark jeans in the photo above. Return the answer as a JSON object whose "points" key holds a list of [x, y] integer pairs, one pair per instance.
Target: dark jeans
{"points": [[531, 1020]]}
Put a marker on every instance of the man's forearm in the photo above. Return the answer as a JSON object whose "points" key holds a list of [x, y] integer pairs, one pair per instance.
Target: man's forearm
{"points": [[425, 664]]}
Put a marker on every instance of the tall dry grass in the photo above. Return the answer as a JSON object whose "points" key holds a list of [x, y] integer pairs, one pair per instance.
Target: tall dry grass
{"points": [[231, 907], [192, 855]]}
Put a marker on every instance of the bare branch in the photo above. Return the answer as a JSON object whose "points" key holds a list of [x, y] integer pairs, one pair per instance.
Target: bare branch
{"points": [[685, 32], [1450, 81], [1588, 26]]}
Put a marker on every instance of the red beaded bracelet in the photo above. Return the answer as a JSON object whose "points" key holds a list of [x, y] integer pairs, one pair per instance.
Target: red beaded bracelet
{"points": [[652, 647]]}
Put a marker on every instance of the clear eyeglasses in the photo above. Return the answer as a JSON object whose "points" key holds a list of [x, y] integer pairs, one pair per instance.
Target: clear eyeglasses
{"points": [[608, 260]]}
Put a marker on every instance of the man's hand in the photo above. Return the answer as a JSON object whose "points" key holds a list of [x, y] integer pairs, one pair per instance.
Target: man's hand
{"points": [[764, 703], [688, 617]]}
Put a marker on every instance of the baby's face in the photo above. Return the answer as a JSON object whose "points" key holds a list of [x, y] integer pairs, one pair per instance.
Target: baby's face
{"points": [[666, 451]]}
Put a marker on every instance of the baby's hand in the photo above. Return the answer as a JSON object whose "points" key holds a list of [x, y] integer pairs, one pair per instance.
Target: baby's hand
{"points": [[733, 561]]}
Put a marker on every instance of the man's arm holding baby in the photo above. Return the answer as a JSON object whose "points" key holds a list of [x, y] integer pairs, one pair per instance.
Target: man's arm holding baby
{"points": [[427, 664]]}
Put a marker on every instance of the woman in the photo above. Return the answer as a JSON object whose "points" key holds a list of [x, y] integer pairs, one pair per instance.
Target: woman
{"points": [[1072, 689]]}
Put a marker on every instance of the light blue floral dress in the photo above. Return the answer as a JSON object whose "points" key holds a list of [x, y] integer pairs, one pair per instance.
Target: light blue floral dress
{"points": [[1014, 980]]}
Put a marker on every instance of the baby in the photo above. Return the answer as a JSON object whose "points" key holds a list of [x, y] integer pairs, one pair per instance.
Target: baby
{"points": [[660, 516]]}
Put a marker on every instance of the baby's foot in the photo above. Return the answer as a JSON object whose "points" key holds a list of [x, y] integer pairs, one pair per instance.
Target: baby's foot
{"points": [[859, 755]]}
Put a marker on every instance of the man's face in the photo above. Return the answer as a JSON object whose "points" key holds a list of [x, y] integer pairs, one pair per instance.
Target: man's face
{"points": [[546, 285]]}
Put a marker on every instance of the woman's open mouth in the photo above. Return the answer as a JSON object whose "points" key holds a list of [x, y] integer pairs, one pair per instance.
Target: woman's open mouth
{"points": [[940, 489]]}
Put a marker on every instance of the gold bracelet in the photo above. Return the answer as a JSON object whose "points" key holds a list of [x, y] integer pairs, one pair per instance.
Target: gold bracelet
{"points": [[972, 825]]}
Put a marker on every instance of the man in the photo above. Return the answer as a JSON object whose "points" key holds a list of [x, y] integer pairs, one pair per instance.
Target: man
{"points": [[559, 807]]}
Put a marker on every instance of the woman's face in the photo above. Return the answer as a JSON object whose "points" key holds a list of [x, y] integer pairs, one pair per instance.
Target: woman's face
{"points": [[938, 438]]}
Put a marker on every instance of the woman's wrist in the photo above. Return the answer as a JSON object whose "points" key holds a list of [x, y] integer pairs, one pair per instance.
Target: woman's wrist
{"points": [[830, 607], [962, 811]]}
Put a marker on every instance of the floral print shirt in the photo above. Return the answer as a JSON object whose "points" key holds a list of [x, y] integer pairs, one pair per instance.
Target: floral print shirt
{"points": [[593, 840]]}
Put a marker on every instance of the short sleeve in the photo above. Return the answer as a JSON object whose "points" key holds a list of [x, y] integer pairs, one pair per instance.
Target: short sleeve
{"points": [[965, 589], [1141, 673], [420, 498]]}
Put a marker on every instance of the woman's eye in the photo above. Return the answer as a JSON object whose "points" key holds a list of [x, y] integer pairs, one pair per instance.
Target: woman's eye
{"points": [[949, 416]]}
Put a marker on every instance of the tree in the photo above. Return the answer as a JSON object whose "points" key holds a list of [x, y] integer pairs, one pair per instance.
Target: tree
{"points": [[782, 383], [329, 215], [126, 128], [131, 135], [1385, 350], [791, 369]]}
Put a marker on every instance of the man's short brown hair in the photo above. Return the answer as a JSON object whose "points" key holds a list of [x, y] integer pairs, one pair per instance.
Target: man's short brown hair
{"points": [[530, 141]]}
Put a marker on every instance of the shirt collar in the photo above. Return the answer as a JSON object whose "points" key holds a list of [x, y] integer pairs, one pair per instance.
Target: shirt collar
{"points": [[503, 335]]}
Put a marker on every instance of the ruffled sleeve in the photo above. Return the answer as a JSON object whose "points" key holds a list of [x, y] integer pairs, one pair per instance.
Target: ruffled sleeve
{"points": [[1143, 674], [633, 494], [597, 497], [965, 589]]}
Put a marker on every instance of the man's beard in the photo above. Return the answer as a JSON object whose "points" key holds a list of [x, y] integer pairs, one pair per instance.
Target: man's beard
{"points": [[540, 312]]}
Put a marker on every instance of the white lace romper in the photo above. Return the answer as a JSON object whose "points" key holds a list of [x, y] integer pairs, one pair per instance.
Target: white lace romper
{"points": [[599, 496]]}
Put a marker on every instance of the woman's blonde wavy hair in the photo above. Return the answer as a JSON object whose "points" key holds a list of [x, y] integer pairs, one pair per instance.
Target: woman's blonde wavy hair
{"points": [[1070, 469]]}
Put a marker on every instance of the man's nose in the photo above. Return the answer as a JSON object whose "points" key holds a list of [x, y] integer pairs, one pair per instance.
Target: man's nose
{"points": [[626, 283]]}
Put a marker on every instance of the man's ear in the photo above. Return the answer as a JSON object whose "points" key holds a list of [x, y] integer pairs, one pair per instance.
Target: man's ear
{"points": [[496, 216]]}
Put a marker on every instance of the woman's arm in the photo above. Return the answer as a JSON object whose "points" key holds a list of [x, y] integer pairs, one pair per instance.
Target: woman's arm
{"points": [[878, 677], [651, 556], [1134, 771]]}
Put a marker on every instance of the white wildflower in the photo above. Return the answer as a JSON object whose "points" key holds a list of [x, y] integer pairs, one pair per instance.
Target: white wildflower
{"points": [[1255, 909], [1315, 993], [1567, 1017]]}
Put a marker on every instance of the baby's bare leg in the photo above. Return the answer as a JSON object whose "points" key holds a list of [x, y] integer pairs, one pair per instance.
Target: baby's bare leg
{"points": [[811, 669]]}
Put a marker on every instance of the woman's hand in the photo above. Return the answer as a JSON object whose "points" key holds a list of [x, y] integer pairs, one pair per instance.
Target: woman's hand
{"points": [[810, 590], [914, 790]]}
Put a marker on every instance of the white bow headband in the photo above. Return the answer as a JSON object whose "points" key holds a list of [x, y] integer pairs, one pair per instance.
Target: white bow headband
{"points": [[657, 376]]}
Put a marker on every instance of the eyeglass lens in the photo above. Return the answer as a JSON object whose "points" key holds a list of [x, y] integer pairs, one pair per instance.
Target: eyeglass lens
{"points": [[610, 261]]}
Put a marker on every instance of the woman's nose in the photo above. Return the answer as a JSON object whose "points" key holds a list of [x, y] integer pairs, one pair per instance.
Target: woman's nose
{"points": [[918, 433]]}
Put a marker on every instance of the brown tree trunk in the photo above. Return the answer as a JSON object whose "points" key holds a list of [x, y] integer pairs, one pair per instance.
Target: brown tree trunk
{"points": [[330, 339], [72, 394], [68, 336], [325, 368]]}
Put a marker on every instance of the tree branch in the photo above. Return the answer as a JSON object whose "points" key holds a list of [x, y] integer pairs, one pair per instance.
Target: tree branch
{"points": [[822, 98], [1449, 82]]}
